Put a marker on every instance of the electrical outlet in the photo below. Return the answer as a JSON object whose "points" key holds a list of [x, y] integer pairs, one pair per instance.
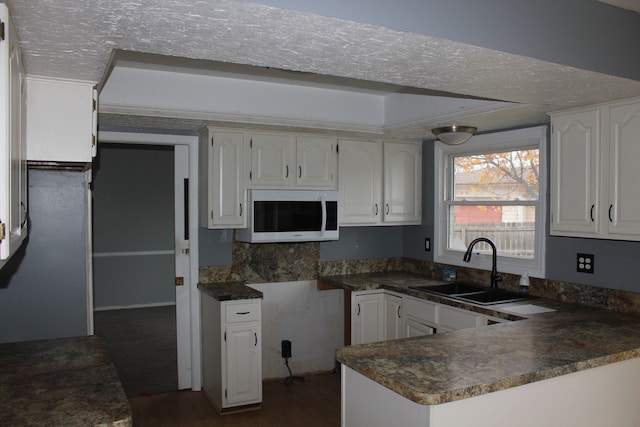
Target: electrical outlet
{"points": [[427, 244], [286, 349], [585, 263]]}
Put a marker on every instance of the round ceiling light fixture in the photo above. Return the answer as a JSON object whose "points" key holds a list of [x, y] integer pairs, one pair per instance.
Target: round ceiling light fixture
{"points": [[454, 135]]}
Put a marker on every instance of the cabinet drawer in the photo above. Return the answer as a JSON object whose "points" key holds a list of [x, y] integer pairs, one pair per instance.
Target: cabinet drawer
{"points": [[458, 319], [418, 309], [243, 312]]}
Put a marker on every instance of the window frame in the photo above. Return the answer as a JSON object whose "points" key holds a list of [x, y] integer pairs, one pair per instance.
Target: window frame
{"points": [[528, 138]]}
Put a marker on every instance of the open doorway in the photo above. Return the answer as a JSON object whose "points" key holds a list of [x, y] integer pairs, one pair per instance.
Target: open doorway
{"points": [[185, 249], [133, 264]]}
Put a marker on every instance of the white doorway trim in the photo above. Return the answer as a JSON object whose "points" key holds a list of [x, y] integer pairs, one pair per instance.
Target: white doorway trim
{"points": [[189, 356]]}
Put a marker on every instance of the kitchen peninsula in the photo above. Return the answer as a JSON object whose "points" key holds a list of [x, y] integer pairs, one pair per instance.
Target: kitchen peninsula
{"points": [[572, 366], [61, 382]]}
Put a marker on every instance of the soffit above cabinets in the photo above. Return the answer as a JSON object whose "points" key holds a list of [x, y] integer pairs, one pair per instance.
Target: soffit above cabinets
{"points": [[213, 92]]}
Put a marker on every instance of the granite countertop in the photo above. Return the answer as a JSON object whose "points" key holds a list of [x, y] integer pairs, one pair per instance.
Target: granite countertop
{"points": [[61, 382], [460, 364], [227, 291]]}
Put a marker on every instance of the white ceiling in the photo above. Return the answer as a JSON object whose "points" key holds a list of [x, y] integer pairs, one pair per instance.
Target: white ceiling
{"points": [[92, 41]]}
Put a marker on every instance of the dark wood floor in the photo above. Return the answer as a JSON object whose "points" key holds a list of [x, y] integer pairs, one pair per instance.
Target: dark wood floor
{"points": [[314, 402]]}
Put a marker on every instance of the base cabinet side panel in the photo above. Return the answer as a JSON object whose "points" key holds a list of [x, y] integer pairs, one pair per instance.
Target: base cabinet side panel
{"points": [[602, 396]]}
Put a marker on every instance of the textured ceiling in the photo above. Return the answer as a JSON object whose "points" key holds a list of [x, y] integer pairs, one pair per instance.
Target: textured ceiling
{"points": [[75, 40]]}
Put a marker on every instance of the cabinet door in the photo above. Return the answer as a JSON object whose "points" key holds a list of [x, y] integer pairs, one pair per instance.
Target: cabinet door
{"points": [[367, 318], [60, 120], [450, 318], [575, 173], [623, 210], [225, 194], [316, 162], [415, 328], [393, 328], [360, 182], [243, 363], [271, 160], [13, 178], [402, 183]]}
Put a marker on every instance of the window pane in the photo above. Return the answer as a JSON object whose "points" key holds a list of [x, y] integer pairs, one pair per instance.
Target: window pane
{"points": [[510, 175], [511, 228]]}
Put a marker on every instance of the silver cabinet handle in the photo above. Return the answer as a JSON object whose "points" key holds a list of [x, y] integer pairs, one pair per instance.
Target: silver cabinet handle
{"points": [[286, 171], [398, 312], [299, 171], [592, 207], [358, 310], [255, 334], [387, 208], [240, 209], [376, 206]]}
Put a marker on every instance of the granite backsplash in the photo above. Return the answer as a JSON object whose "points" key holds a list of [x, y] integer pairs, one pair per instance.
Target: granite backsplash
{"points": [[287, 262]]}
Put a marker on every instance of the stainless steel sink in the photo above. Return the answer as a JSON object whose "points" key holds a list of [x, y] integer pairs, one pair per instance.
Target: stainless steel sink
{"points": [[473, 293]]}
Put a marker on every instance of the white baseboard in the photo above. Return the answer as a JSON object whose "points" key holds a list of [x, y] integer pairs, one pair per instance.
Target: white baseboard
{"points": [[125, 307]]}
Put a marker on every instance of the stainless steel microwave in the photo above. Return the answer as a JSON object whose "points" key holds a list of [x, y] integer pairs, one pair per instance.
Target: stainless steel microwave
{"points": [[290, 216]]}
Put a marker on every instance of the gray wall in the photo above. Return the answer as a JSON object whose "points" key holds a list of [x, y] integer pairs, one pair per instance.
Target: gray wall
{"points": [[43, 288], [133, 211], [581, 33]]}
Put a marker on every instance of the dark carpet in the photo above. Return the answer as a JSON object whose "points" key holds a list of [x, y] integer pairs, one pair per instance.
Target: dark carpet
{"points": [[142, 344]]}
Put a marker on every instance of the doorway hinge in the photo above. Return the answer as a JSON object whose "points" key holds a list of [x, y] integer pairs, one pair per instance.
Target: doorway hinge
{"points": [[2, 231], [1, 31], [179, 281], [251, 143]]}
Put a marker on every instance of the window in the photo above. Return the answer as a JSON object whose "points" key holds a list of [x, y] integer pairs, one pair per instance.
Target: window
{"points": [[493, 186]]}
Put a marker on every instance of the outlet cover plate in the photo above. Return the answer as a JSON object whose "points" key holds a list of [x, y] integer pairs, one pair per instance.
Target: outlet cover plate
{"points": [[584, 263]]}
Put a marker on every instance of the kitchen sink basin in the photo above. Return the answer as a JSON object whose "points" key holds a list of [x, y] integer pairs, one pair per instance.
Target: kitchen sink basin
{"points": [[473, 293], [493, 296]]}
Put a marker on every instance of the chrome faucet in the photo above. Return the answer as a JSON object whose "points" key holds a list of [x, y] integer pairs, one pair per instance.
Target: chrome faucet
{"points": [[495, 277]]}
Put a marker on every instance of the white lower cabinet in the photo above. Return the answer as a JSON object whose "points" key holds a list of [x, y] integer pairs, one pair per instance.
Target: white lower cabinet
{"points": [[367, 316], [415, 328], [231, 352], [393, 328], [380, 315]]}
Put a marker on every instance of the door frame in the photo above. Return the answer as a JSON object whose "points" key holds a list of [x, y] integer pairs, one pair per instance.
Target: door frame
{"points": [[189, 370]]}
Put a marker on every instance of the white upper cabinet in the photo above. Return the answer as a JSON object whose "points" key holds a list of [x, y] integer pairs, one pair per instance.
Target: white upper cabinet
{"points": [[575, 172], [13, 171], [594, 174], [402, 183], [271, 157], [280, 160], [360, 182], [222, 191], [61, 120], [380, 183], [316, 162], [623, 211]]}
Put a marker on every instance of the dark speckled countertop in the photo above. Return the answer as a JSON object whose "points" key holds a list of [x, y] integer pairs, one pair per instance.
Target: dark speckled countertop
{"points": [[460, 364], [227, 291], [61, 382]]}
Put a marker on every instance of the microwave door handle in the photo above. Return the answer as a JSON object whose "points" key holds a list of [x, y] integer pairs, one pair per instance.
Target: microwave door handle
{"points": [[323, 203]]}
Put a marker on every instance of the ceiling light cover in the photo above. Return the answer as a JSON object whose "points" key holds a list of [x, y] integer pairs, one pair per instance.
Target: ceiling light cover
{"points": [[454, 135]]}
